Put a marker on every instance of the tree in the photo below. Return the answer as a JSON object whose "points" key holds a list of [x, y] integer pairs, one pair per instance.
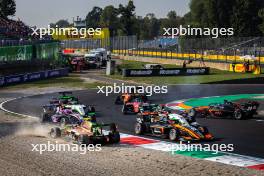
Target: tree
{"points": [[245, 18], [93, 17], [152, 24], [127, 18], [7, 8], [242, 15], [172, 15], [61, 24], [261, 15], [109, 19]]}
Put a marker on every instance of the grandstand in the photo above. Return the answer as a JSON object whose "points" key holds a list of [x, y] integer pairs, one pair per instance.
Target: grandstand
{"points": [[11, 29], [20, 52]]}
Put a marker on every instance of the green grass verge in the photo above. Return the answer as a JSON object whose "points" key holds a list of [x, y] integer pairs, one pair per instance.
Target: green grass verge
{"points": [[214, 77], [71, 81]]}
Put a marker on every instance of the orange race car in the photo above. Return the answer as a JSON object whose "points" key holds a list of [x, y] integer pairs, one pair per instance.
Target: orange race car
{"points": [[126, 97]]}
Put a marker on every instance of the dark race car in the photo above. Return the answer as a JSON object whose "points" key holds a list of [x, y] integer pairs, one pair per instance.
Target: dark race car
{"points": [[174, 126], [227, 110], [65, 98]]}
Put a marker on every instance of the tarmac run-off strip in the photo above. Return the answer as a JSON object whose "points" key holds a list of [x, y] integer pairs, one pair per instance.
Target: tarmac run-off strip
{"points": [[221, 157]]}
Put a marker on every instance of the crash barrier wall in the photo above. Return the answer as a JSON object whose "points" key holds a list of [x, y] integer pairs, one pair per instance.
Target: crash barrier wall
{"points": [[29, 52], [28, 77], [11, 53], [166, 72], [219, 66], [170, 54]]}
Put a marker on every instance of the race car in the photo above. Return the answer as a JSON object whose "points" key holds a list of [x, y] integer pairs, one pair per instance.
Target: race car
{"points": [[227, 109], [126, 97], [82, 109], [69, 102], [63, 117], [65, 98], [175, 127], [133, 105], [88, 133]]}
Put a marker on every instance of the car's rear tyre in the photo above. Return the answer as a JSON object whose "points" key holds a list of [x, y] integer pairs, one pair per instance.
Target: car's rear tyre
{"points": [[238, 115], [173, 135], [45, 117], [55, 132], [139, 129], [114, 137], [118, 100], [91, 109], [124, 110], [113, 128]]}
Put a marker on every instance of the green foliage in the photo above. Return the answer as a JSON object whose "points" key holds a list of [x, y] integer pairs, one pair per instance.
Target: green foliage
{"points": [[93, 17], [109, 19], [61, 24], [242, 15], [127, 18], [7, 8]]}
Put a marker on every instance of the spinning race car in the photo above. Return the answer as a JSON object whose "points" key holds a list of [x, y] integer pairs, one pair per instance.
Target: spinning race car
{"points": [[227, 110], [66, 110], [88, 133], [175, 127], [64, 116]]}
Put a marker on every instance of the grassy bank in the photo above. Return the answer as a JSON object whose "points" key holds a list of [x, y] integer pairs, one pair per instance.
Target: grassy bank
{"points": [[72, 81]]}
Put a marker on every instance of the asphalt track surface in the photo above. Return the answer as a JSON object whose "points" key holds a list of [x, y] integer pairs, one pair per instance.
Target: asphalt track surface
{"points": [[246, 135]]}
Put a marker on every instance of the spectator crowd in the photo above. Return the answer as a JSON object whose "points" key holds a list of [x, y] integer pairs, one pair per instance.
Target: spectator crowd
{"points": [[11, 29]]}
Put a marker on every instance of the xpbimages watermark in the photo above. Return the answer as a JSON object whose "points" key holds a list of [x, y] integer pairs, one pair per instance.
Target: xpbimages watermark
{"points": [[80, 32], [117, 89], [190, 31], [189, 147], [57, 147]]}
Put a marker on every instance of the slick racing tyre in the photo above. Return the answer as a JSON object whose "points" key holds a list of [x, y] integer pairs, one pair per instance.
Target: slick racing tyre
{"points": [[113, 128], [238, 115], [124, 109], [91, 109], [45, 118], [118, 100], [114, 137], [139, 129], [55, 132], [173, 135]]}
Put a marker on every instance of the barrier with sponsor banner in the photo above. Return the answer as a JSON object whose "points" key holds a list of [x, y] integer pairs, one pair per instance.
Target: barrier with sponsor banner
{"points": [[22, 78], [166, 72]]}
